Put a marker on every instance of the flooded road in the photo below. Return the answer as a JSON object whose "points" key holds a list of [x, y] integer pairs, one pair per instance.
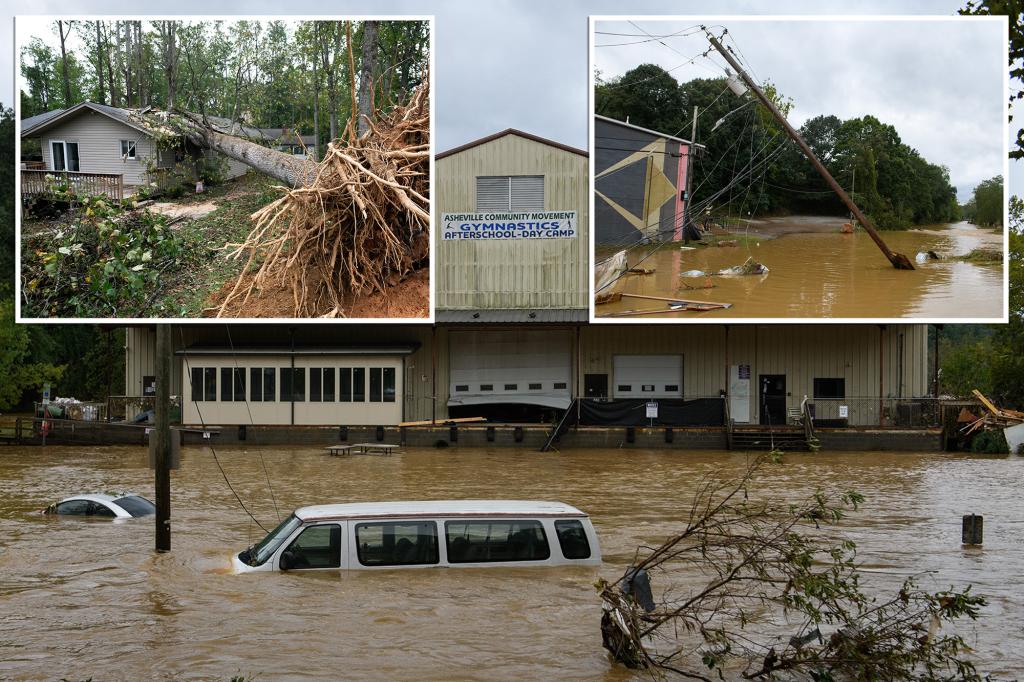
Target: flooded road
{"points": [[82, 598], [825, 274]]}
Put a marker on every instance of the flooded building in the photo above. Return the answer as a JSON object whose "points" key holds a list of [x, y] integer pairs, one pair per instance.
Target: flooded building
{"points": [[511, 341]]}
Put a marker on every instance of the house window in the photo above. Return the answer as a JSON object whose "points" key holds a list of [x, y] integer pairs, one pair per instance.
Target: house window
{"points": [[293, 384], [262, 384], [232, 384], [204, 384], [829, 388], [65, 156], [127, 150], [510, 193], [321, 384]]}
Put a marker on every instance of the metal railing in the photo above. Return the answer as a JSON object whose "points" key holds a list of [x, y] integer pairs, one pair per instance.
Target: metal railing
{"points": [[85, 411], [869, 411], [42, 182], [121, 408]]}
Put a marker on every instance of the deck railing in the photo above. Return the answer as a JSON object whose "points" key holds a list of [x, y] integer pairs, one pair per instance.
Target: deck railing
{"points": [[39, 182]]}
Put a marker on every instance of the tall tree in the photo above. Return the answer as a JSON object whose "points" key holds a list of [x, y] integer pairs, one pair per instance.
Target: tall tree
{"points": [[367, 73], [168, 31], [64, 60]]}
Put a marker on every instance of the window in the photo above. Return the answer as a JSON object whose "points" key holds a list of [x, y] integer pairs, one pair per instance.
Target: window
{"points": [[65, 156], [534, 387], [376, 384], [135, 505], [389, 384], [560, 385], [345, 384], [359, 384], [829, 388], [204, 384], [74, 507], [232, 384], [398, 543], [127, 149], [486, 541], [148, 385], [317, 547], [671, 388], [262, 384], [511, 387], [98, 509], [510, 193], [647, 388], [486, 387], [572, 539], [461, 387], [321, 384], [625, 388], [293, 384]]}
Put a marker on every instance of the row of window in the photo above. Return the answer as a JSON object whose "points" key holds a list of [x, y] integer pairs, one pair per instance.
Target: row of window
{"points": [[408, 543], [538, 386], [289, 384], [648, 388]]}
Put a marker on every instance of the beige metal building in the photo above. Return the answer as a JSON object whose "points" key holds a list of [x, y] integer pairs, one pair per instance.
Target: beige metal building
{"points": [[511, 339]]}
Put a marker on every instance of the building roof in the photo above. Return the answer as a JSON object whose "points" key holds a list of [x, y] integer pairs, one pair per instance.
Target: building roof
{"points": [[510, 315], [517, 508], [510, 131], [33, 126], [398, 349], [287, 136], [615, 121], [134, 118]]}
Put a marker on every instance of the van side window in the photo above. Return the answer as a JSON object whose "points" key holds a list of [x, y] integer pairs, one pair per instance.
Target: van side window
{"points": [[573, 539], [481, 541], [317, 547], [397, 543]]}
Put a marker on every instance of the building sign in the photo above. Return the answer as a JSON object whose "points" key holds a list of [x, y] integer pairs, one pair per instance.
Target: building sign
{"points": [[652, 410], [522, 225]]}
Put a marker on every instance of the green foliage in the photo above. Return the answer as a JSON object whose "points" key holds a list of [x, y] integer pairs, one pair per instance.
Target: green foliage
{"points": [[17, 365], [891, 182], [986, 205], [7, 198], [990, 442], [104, 263]]}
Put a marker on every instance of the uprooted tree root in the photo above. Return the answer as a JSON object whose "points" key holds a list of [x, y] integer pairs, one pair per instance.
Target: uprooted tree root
{"points": [[360, 225]]}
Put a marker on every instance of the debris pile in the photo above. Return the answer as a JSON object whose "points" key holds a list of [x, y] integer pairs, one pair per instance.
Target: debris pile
{"points": [[993, 418], [360, 225]]}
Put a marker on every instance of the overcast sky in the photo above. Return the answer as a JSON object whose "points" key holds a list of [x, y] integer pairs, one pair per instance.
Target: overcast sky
{"points": [[940, 83], [524, 63]]}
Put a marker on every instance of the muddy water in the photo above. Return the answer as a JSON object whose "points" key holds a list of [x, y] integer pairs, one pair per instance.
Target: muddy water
{"points": [[83, 598], [827, 274]]}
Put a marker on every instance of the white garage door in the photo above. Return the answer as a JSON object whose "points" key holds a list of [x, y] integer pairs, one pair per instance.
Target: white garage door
{"points": [[515, 366], [647, 376]]}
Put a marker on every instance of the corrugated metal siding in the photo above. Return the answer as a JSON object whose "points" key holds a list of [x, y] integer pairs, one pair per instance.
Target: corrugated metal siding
{"points": [[99, 146], [514, 273]]}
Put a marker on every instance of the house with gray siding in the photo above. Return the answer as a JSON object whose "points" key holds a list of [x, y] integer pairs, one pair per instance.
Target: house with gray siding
{"points": [[96, 138]]}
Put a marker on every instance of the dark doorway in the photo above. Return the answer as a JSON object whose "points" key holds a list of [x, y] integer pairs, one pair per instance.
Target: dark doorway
{"points": [[772, 398], [595, 385]]}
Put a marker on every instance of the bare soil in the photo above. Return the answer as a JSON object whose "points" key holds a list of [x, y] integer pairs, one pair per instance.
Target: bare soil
{"points": [[408, 298]]}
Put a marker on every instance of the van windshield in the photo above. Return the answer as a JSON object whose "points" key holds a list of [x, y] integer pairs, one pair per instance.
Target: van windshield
{"points": [[268, 545]]}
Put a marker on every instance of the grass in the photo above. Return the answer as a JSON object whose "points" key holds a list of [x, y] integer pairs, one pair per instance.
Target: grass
{"points": [[186, 293], [982, 256]]}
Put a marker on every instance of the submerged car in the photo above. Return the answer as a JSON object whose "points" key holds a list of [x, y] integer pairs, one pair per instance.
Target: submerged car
{"points": [[124, 506], [426, 534]]}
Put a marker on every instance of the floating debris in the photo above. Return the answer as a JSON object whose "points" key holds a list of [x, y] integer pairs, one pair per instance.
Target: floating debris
{"points": [[749, 267]]}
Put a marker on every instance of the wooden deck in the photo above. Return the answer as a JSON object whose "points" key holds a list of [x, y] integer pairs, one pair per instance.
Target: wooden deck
{"points": [[38, 182]]}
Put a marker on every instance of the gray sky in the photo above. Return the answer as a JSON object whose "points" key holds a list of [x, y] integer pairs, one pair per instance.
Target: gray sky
{"points": [[499, 64], [940, 83]]}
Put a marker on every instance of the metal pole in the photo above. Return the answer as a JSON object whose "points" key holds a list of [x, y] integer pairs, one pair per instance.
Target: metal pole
{"points": [[162, 434], [898, 260], [687, 216]]}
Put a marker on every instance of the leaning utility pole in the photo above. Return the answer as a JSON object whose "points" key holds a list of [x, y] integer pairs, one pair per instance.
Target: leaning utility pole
{"points": [[687, 215], [162, 434], [898, 260]]}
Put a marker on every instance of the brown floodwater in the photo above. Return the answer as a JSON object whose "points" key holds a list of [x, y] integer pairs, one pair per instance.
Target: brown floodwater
{"points": [[824, 274], [81, 598]]}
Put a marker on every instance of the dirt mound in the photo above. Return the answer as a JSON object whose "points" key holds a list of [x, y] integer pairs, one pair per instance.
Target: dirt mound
{"points": [[408, 298]]}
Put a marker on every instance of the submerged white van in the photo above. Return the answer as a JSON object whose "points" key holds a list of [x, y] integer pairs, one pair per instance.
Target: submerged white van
{"points": [[424, 534]]}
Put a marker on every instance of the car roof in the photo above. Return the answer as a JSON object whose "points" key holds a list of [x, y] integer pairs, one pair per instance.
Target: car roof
{"points": [[431, 508], [93, 497]]}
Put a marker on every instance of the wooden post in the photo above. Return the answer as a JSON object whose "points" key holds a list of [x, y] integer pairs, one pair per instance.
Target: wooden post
{"points": [[898, 260], [162, 433]]}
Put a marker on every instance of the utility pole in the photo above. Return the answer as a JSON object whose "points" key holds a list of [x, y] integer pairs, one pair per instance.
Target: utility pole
{"points": [[687, 215], [898, 260], [162, 434]]}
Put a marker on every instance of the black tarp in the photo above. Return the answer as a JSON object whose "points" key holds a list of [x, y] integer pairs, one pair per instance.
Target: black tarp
{"points": [[671, 412]]}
